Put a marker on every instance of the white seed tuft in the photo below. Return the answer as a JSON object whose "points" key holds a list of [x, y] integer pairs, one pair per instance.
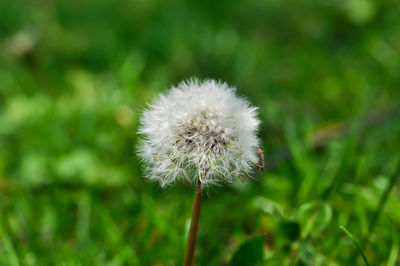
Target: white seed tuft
{"points": [[199, 131]]}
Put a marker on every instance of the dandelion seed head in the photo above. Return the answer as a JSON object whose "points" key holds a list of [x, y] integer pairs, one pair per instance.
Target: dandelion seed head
{"points": [[198, 129]]}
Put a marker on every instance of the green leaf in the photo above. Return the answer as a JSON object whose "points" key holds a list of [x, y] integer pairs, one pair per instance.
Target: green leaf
{"points": [[268, 206], [249, 253], [314, 217]]}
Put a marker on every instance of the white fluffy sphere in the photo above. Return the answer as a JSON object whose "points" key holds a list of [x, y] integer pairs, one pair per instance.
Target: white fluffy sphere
{"points": [[199, 131]]}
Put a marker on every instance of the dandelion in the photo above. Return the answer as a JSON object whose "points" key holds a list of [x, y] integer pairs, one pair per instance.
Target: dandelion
{"points": [[201, 132]]}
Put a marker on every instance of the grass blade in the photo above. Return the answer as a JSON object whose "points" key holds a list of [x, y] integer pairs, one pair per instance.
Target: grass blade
{"points": [[8, 247], [381, 205], [355, 241]]}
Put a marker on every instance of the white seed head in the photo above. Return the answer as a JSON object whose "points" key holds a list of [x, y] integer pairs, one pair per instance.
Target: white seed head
{"points": [[199, 130]]}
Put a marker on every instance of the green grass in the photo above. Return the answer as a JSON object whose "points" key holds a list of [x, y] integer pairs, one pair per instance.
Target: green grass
{"points": [[355, 241], [75, 76]]}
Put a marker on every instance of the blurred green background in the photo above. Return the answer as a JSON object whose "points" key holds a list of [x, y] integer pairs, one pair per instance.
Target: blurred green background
{"points": [[75, 76]]}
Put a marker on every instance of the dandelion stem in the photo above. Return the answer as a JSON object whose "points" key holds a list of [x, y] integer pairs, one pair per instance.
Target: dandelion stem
{"points": [[194, 225]]}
